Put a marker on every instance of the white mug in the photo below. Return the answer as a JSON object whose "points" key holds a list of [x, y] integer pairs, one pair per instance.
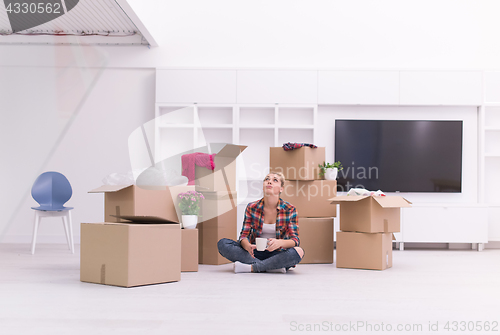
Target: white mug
{"points": [[261, 243]]}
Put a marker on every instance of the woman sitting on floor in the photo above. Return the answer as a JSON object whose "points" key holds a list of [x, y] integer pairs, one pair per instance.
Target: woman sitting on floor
{"points": [[270, 217]]}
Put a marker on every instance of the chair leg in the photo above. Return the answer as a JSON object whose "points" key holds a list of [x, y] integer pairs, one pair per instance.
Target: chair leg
{"points": [[66, 229], [35, 232], [70, 224]]}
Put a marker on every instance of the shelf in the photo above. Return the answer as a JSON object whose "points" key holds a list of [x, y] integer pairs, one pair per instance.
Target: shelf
{"points": [[297, 127], [216, 115], [264, 115], [492, 128], [493, 204], [263, 126], [492, 155], [217, 126], [177, 125], [291, 116], [297, 135]]}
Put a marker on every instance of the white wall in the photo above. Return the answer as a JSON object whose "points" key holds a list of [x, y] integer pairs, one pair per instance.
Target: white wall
{"points": [[338, 34], [73, 126], [97, 95]]}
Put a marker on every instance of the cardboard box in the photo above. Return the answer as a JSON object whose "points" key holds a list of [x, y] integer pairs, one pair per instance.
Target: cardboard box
{"points": [[297, 164], [124, 254], [370, 214], [189, 250], [311, 197], [210, 232], [217, 203], [364, 250], [223, 177], [132, 200], [316, 238]]}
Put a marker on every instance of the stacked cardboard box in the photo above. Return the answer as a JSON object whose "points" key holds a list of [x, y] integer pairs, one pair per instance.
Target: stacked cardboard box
{"points": [[218, 215], [219, 208], [367, 224], [309, 194], [138, 244]]}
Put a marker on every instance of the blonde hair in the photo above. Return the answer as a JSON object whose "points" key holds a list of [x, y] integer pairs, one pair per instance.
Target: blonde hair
{"points": [[279, 174]]}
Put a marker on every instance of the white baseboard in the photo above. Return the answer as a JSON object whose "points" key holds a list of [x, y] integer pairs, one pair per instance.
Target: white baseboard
{"points": [[492, 245], [42, 239]]}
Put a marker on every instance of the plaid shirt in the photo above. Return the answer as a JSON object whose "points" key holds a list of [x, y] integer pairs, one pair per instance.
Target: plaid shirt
{"points": [[286, 221]]}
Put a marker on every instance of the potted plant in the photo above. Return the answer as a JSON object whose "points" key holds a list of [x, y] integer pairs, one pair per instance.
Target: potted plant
{"points": [[189, 204], [330, 170]]}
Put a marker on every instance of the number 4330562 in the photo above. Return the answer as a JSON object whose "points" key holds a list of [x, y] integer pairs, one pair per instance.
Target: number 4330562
{"points": [[40, 8]]}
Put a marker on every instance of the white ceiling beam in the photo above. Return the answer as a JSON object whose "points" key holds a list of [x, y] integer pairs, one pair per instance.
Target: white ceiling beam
{"points": [[125, 6]]}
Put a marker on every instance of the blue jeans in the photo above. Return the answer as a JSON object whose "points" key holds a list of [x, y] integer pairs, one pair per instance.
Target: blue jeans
{"points": [[263, 261]]}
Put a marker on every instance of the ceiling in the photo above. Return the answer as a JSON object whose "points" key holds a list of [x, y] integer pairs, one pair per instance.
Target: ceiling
{"points": [[102, 22]]}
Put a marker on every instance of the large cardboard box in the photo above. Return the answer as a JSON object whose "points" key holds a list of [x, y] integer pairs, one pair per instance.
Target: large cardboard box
{"points": [[223, 177], [316, 238], [364, 250], [127, 254], [311, 197], [297, 164], [217, 203], [189, 250], [211, 231], [370, 214], [132, 200]]}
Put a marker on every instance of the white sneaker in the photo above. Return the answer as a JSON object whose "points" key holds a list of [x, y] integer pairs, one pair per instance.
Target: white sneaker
{"points": [[282, 270], [242, 267]]}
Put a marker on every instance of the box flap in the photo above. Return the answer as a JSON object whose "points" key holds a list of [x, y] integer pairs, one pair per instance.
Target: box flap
{"points": [[231, 150], [109, 188], [144, 219], [347, 198], [392, 202]]}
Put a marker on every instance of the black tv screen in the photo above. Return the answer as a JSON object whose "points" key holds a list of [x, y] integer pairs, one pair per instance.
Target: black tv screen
{"points": [[399, 155]]}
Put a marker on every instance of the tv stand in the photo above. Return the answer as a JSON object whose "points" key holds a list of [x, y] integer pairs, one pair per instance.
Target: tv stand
{"points": [[445, 223]]}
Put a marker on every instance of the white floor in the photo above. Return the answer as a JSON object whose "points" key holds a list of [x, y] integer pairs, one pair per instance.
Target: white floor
{"points": [[42, 294]]}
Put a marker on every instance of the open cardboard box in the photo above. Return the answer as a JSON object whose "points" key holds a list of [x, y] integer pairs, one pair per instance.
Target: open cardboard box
{"points": [[133, 200], [128, 254], [223, 177], [297, 164], [370, 214]]}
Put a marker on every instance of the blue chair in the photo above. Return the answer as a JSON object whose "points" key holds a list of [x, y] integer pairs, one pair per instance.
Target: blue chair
{"points": [[52, 190]]}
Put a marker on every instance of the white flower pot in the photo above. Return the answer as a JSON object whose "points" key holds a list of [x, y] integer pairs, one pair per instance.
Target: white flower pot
{"points": [[331, 174], [189, 221]]}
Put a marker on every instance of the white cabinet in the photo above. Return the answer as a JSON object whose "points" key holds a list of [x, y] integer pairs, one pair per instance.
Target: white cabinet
{"points": [[441, 88], [449, 223], [492, 87], [196, 86], [290, 87], [358, 87]]}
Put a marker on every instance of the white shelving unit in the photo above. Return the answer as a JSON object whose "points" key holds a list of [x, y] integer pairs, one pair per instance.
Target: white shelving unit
{"points": [[491, 167], [257, 126]]}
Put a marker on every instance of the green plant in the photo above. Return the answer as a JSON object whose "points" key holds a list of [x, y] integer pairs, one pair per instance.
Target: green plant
{"points": [[325, 166], [190, 202]]}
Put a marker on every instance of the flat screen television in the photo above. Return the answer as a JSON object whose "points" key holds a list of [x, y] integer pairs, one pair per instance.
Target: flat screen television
{"points": [[399, 155]]}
